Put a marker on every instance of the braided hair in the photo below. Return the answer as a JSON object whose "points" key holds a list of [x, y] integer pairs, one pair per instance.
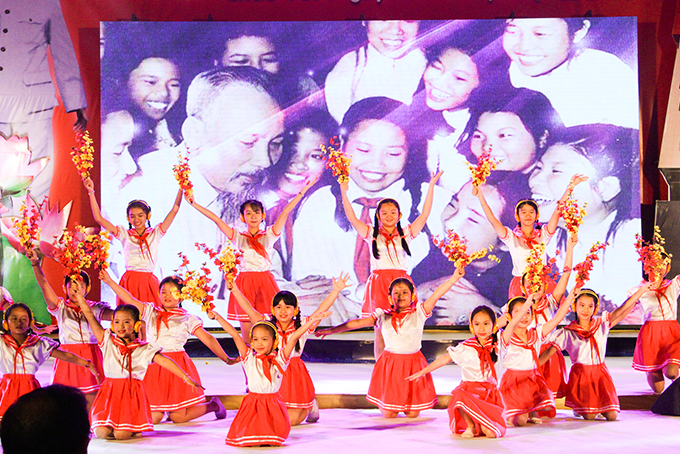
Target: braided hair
{"points": [[494, 337], [376, 228], [289, 299]]}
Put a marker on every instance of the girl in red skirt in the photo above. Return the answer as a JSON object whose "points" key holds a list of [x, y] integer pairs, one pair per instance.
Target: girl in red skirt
{"points": [[521, 240], [121, 408], [388, 249], [476, 406], [657, 350], [590, 390], [140, 244], [22, 352], [169, 327], [402, 328], [297, 388], [525, 392], [75, 335], [262, 419], [254, 278]]}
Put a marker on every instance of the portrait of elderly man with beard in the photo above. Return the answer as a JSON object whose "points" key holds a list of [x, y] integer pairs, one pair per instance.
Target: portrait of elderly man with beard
{"points": [[233, 132]]}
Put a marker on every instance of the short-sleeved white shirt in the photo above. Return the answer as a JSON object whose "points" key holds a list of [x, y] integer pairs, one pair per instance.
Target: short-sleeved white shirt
{"points": [[73, 326], [515, 356], [291, 329], [257, 381], [579, 349], [33, 356], [135, 258], [659, 308], [251, 260], [392, 259], [115, 364], [467, 358], [519, 250], [170, 338], [409, 338]]}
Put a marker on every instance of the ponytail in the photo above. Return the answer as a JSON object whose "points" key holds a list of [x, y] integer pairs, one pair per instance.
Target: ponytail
{"points": [[404, 244], [376, 228]]}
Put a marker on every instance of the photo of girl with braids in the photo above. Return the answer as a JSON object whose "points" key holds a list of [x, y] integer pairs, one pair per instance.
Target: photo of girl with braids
{"points": [[375, 131]]}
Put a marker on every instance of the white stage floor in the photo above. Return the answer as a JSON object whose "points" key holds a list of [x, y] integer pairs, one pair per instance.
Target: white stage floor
{"points": [[350, 430]]}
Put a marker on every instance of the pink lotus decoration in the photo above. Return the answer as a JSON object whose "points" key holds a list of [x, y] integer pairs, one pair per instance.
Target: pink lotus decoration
{"points": [[16, 169], [52, 224]]}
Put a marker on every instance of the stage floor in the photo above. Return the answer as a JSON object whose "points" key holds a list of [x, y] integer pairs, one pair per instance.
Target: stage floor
{"points": [[360, 430]]}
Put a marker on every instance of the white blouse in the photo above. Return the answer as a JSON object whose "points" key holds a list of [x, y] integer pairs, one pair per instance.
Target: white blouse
{"points": [[73, 326], [180, 325], [116, 365], [409, 338]]}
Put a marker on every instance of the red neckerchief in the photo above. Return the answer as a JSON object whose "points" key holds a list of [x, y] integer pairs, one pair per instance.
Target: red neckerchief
{"points": [[126, 351], [532, 338], [79, 316], [267, 362], [285, 333], [661, 291], [163, 317], [397, 318], [529, 241], [589, 335], [256, 245], [540, 308], [389, 240], [484, 354], [32, 339], [142, 240]]}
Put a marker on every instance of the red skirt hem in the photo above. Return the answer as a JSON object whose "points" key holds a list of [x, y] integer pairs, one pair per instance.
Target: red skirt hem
{"points": [[297, 388], [259, 288], [13, 386], [69, 374], [166, 391], [483, 403], [525, 391], [122, 405], [658, 345], [390, 390], [377, 290], [262, 419], [591, 390], [142, 285]]}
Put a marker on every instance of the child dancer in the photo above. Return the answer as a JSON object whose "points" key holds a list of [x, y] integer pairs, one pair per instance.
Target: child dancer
{"points": [[20, 345], [75, 335], [389, 248], [402, 327], [121, 408], [297, 388], [525, 392], [590, 389], [525, 236], [140, 244], [262, 418], [657, 350], [169, 327], [476, 406], [254, 278]]}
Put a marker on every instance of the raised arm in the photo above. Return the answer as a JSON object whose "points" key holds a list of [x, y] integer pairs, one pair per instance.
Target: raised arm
{"points": [[312, 320], [360, 227], [419, 222], [214, 345], [575, 180], [347, 326], [561, 313], [77, 360], [51, 298], [339, 285], [429, 303], [280, 222], [495, 223], [173, 212], [123, 294], [561, 286], [512, 324], [253, 315], [434, 365], [86, 310], [620, 312], [228, 231], [240, 345], [96, 212], [172, 366]]}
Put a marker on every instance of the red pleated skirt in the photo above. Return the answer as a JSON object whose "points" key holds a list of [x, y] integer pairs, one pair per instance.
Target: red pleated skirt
{"points": [[591, 390], [13, 386], [378, 290], [262, 419], [389, 388], [526, 391], [69, 374], [122, 404], [166, 391], [259, 287], [297, 388], [658, 345], [141, 285], [554, 372], [483, 403]]}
